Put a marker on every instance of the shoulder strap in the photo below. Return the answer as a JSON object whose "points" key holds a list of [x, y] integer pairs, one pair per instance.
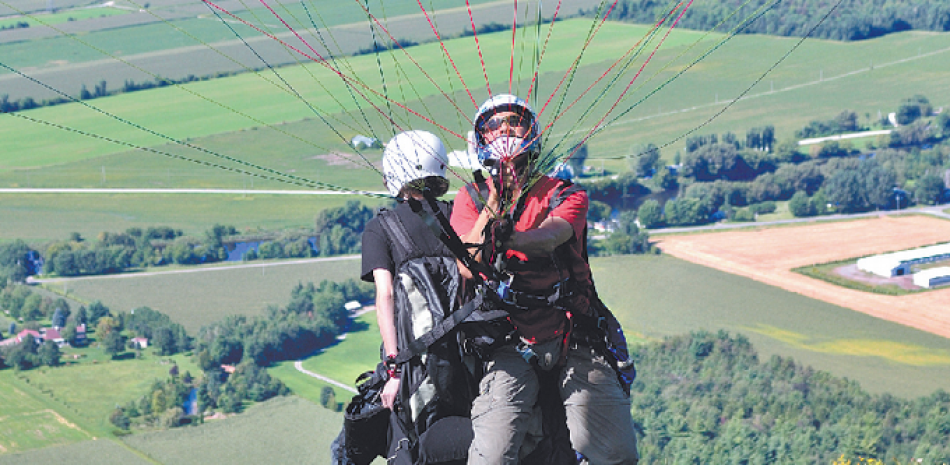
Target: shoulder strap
{"points": [[563, 191], [402, 241], [478, 192]]}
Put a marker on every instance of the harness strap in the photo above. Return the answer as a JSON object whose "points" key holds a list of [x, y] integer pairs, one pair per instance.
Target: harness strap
{"points": [[444, 231], [397, 232]]}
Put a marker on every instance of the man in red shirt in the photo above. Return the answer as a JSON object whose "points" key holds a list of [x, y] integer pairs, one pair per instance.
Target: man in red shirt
{"points": [[550, 285]]}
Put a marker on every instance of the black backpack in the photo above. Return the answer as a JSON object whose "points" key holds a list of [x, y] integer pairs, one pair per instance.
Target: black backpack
{"points": [[436, 386]]}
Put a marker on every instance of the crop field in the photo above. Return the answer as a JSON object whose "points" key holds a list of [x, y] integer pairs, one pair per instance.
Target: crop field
{"points": [[99, 451], [28, 422], [37, 218], [281, 430], [769, 255], [196, 29], [65, 16], [656, 296], [801, 93], [196, 297]]}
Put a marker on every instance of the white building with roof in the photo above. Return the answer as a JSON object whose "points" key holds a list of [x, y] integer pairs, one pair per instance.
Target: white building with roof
{"points": [[932, 277], [898, 263]]}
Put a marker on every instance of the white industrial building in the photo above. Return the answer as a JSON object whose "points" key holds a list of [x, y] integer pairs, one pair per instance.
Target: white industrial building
{"points": [[932, 277], [898, 263]]}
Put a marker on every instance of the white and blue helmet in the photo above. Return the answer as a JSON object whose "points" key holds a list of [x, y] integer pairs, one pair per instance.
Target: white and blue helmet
{"points": [[505, 147], [410, 156]]}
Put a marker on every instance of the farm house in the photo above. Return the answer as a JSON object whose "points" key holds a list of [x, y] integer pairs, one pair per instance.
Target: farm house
{"points": [[898, 263], [932, 277]]}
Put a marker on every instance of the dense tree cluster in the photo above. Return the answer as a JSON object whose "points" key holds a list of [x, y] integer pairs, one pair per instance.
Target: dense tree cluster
{"points": [[707, 398], [626, 238], [615, 191], [19, 301], [166, 336], [17, 261], [312, 319], [724, 177], [135, 248], [846, 121], [162, 406], [851, 20], [339, 229], [227, 392]]}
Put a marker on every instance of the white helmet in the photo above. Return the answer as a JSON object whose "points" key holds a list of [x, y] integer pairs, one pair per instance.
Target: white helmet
{"points": [[507, 146], [412, 155]]}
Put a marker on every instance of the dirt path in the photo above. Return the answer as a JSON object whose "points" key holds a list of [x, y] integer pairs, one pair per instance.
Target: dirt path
{"points": [[769, 255]]}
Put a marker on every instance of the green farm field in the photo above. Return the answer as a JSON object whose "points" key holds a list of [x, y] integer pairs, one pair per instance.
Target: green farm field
{"points": [[91, 391], [99, 451], [818, 81], [38, 218], [167, 30], [28, 421], [281, 430], [62, 17], [195, 297], [649, 295]]}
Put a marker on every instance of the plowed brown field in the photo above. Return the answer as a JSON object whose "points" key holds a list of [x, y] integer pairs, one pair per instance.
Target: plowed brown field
{"points": [[769, 254]]}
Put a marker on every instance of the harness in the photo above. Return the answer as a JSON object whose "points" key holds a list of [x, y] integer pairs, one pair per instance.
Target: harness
{"points": [[566, 287], [600, 330]]}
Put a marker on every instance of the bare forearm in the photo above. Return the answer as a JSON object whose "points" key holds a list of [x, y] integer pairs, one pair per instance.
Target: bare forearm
{"points": [[542, 241], [385, 310]]}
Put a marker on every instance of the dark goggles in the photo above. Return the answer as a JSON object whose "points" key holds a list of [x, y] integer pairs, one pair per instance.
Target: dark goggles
{"points": [[513, 121]]}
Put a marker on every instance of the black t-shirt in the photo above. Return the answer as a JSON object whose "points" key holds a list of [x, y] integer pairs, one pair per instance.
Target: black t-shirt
{"points": [[377, 246]]}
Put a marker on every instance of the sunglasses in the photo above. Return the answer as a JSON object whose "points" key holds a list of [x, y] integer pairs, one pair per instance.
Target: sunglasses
{"points": [[513, 121]]}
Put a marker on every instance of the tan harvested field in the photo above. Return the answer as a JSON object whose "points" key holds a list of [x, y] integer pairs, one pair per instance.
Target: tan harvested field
{"points": [[769, 254]]}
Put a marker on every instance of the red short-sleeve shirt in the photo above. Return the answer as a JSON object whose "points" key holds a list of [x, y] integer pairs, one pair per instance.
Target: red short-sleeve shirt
{"points": [[547, 322]]}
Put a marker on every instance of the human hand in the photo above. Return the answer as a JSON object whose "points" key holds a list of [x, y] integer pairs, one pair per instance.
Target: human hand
{"points": [[390, 390]]}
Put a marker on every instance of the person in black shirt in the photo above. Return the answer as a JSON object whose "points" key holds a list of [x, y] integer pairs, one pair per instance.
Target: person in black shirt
{"points": [[412, 162]]}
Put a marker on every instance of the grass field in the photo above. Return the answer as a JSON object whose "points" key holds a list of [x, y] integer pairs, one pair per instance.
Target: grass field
{"points": [[100, 452], [63, 16], [345, 365], [206, 28], [92, 391], [28, 421], [656, 296], [281, 430], [648, 295], [905, 65], [38, 218], [195, 299]]}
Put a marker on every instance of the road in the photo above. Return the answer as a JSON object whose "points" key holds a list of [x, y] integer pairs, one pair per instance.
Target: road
{"points": [[299, 366]]}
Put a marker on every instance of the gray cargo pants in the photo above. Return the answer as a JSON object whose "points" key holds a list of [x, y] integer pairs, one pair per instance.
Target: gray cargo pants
{"points": [[598, 412]]}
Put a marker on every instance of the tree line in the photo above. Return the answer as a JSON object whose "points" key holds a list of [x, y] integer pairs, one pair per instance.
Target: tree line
{"points": [[851, 20], [725, 177], [707, 398]]}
